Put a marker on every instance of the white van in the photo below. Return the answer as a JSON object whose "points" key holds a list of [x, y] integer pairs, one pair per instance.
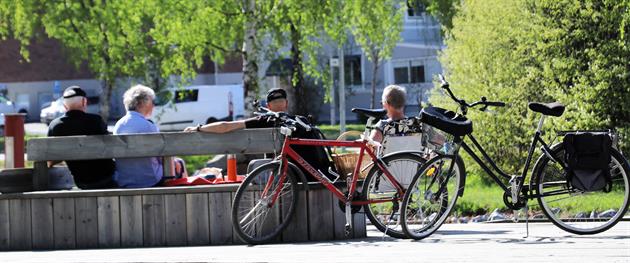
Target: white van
{"points": [[178, 108]]}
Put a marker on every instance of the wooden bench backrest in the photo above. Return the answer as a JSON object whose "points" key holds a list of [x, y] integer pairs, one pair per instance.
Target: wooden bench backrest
{"points": [[40, 150], [251, 141]]}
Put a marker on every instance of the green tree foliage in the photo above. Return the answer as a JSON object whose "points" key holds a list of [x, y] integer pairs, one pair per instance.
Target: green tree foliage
{"points": [[442, 10], [518, 51], [91, 31], [376, 27]]}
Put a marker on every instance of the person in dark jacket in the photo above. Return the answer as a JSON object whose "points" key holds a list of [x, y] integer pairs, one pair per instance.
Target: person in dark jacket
{"points": [[87, 174]]}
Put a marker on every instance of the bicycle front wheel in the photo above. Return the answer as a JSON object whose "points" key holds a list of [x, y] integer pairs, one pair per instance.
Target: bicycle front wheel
{"points": [[264, 204], [383, 211], [576, 211], [431, 196]]}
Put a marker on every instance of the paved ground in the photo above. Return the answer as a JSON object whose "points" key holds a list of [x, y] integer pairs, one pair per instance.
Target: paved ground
{"points": [[503, 242], [453, 243]]}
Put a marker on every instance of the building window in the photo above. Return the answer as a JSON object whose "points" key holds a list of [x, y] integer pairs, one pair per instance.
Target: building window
{"points": [[415, 8], [401, 75], [352, 70], [186, 96], [409, 73], [417, 74]]}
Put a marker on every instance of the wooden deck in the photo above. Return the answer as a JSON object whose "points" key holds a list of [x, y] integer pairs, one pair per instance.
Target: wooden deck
{"points": [[150, 217]]}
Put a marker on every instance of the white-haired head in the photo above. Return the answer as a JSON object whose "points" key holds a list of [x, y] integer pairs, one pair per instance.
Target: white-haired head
{"points": [[137, 96]]}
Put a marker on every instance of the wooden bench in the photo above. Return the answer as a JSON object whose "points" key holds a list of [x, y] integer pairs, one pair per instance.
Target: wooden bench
{"points": [[165, 216]]}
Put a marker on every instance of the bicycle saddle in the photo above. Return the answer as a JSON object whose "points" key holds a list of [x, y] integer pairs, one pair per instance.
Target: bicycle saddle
{"points": [[374, 113], [446, 120], [552, 109]]}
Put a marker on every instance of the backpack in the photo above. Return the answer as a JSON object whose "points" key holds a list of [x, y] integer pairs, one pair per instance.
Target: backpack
{"points": [[317, 156], [587, 155]]}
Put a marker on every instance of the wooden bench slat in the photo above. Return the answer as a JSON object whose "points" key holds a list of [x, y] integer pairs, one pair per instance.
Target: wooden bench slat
{"points": [[20, 216], [321, 217], [131, 234], [253, 141], [297, 230], [153, 223], [64, 223], [220, 218], [108, 221], [5, 229], [339, 220], [175, 210], [86, 213], [42, 223], [197, 219]]}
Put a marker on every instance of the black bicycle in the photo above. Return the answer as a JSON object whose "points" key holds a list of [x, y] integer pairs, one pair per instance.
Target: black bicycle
{"points": [[440, 181]]}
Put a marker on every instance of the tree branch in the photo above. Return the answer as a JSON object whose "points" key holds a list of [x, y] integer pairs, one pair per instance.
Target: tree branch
{"points": [[224, 49]]}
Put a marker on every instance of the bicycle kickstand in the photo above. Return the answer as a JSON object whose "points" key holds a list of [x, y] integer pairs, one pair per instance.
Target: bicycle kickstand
{"points": [[526, 208], [348, 227]]}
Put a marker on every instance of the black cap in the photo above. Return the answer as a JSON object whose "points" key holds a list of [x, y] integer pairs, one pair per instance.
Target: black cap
{"points": [[73, 91], [276, 93]]}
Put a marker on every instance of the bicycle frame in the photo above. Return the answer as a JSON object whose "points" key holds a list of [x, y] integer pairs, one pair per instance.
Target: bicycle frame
{"points": [[492, 167], [288, 152]]}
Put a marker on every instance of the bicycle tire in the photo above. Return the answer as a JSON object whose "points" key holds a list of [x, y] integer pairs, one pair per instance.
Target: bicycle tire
{"points": [[377, 186], [248, 202], [423, 211], [577, 212]]}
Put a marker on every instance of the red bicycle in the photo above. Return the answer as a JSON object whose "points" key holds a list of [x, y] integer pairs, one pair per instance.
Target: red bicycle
{"points": [[266, 200]]}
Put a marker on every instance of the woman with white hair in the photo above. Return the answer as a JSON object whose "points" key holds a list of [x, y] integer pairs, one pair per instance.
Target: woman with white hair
{"points": [[138, 172]]}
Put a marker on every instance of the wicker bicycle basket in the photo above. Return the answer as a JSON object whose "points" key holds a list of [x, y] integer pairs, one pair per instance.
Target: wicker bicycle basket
{"points": [[346, 162]]}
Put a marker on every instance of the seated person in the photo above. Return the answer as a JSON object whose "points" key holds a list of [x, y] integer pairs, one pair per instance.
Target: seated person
{"points": [[87, 174], [145, 171], [276, 102], [393, 100]]}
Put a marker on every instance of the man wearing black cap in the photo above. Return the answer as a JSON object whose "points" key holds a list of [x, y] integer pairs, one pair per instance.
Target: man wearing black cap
{"points": [[87, 174], [276, 102]]}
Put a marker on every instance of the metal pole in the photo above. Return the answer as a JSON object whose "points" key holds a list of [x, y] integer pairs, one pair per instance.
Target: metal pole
{"points": [[333, 114], [342, 93]]}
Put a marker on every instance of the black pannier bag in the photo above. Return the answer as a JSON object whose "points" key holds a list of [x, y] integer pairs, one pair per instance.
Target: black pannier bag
{"points": [[587, 155]]}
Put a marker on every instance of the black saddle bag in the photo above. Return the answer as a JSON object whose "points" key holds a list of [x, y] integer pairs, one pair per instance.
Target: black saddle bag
{"points": [[587, 155]]}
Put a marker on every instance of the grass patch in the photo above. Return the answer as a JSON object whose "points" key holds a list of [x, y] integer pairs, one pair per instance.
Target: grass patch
{"points": [[479, 198], [332, 131], [195, 162]]}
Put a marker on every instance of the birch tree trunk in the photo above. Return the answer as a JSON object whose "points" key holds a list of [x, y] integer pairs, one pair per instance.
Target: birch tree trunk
{"points": [[374, 72], [250, 55], [108, 86]]}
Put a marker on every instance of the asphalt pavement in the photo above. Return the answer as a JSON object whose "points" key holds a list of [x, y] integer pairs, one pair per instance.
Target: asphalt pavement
{"points": [[477, 242]]}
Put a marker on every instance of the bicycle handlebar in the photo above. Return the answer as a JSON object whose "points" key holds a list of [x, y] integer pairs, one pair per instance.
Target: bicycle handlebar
{"points": [[284, 120], [463, 104]]}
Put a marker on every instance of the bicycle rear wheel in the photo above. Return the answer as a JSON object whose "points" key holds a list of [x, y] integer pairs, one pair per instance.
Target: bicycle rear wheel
{"points": [[385, 215], [576, 211], [431, 196], [256, 217]]}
